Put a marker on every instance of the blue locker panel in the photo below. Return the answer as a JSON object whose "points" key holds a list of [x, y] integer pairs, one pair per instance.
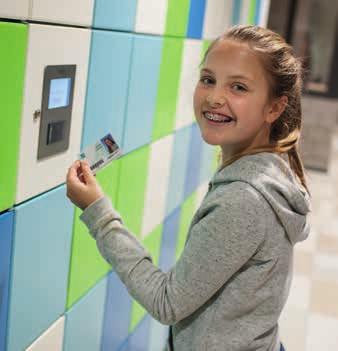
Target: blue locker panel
{"points": [[84, 321], [6, 233], [258, 12], [117, 314], [196, 19], [107, 86], [115, 14], [194, 161], [178, 169], [139, 340], [40, 262], [169, 238], [236, 11], [144, 77]]}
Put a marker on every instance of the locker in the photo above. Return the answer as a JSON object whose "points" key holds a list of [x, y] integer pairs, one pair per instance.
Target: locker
{"points": [[142, 91], [151, 16], [13, 39], [116, 15], [14, 9], [117, 314], [49, 46], [40, 263], [84, 321], [87, 266], [63, 11], [194, 161], [107, 86], [157, 182], [6, 236], [178, 169], [189, 76]]}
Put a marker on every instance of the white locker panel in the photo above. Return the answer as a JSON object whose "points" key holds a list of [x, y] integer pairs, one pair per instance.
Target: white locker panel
{"points": [[157, 184], [218, 18], [51, 339], [63, 11], [50, 45], [151, 16], [264, 13], [188, 80], [14, 9]]}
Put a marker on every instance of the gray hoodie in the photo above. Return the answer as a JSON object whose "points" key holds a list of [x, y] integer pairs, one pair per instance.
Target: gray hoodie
{"points": [[228, 288]]}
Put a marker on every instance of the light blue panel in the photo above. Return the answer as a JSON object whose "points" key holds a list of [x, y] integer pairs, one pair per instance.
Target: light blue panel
{"points": [[40, 261], [107, 86], [83, 328], [139, 340], [6, 233], [115, 14], [196, 18], [144, 77], [117, 314], [236, 11], [158, 335], [207, 160], [178, 169], [258, 11], [194, 161], [169, 238]]}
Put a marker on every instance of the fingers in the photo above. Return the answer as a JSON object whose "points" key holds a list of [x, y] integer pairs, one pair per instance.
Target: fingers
{"points": [[72, 172], [87, 173]]}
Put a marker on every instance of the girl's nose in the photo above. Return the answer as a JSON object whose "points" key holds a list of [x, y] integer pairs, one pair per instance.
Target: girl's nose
{"points": [[215, 100]]}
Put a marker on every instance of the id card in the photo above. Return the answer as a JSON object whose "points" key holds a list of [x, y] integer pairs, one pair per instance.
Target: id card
{"points": [[101, 153]]}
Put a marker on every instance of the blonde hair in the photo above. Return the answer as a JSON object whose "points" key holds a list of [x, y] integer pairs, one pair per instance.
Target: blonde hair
{"points": [[284, 74]]}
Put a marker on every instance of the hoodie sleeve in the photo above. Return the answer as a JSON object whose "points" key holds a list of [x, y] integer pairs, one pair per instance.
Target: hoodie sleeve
{"points": [[226, 235]]}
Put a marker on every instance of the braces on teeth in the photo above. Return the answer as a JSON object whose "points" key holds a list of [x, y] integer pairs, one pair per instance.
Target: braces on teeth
{"points": [[211, 117]]}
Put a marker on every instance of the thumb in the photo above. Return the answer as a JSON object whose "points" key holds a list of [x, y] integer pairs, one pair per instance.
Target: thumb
{"points": [[87, 173]]}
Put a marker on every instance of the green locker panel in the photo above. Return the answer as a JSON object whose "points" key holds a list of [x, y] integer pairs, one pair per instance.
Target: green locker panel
{"points": [[177, 18], [131, 193], [168, 85], [13, 44], [87, 265]]}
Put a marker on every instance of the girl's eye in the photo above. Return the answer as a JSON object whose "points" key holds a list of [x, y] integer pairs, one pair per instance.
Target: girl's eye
{"points": [[206, 80], [239, 87]]}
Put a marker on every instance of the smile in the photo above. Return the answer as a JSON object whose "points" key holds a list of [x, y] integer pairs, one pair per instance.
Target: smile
{"points": [[217, 118]]}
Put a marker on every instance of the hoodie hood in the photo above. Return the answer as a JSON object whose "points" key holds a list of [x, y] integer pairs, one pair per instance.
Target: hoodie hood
{"points": [[272, 176]]}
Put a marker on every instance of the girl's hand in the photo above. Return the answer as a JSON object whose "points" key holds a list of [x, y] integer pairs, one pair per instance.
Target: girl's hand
{"points": [[82, 187]]}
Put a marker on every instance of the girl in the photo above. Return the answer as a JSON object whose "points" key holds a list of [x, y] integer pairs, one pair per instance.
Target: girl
{"points": [[228, 288]]}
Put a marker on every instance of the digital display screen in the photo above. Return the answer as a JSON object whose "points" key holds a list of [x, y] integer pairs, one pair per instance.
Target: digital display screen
{"points": [[59, 92]]}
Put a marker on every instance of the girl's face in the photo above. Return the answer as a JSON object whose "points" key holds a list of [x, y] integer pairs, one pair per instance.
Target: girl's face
{"points": [[231, 99]]}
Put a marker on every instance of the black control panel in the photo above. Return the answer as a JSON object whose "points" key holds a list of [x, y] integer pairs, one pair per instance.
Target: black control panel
{"points": [[56, 109]]}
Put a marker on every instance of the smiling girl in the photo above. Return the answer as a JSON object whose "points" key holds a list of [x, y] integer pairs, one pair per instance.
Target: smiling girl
{"points": [[228, 288]]}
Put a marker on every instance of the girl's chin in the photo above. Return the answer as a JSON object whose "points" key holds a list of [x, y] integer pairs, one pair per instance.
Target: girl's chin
{"points": [[212, 140]]}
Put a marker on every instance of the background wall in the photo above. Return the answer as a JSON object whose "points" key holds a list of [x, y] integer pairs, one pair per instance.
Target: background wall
{"points": [[136, 67]]}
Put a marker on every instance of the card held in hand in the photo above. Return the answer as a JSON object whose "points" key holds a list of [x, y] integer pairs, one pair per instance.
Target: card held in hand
{"points": [[101, 153]]}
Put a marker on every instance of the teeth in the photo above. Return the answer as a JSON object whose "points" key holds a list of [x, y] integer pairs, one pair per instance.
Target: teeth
{"points": [[216, 117]]}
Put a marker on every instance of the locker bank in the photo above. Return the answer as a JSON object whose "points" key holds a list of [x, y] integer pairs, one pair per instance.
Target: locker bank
{"points": [[71, 71]]}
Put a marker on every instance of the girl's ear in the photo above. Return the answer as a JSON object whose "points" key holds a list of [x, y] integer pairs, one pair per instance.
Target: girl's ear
{"points": [[276, 108]]}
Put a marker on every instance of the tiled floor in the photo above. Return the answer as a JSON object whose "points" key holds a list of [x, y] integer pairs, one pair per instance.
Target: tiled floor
{"points": [[309, 321]]}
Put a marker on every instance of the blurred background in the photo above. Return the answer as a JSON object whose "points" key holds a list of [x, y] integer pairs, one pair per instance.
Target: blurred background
{"points": [[310, 319]]}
